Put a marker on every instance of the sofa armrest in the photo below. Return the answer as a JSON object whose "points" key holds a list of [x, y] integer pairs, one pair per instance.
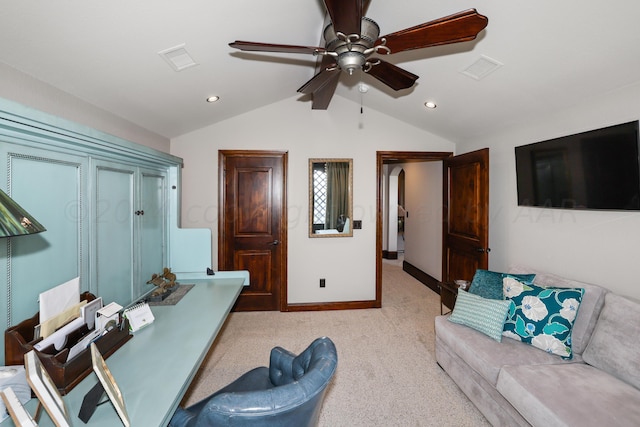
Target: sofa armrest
{"points": [[281, 366]]}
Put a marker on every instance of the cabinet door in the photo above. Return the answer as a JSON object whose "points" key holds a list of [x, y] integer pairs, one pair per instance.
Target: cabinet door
{"points": [[113, 220], [152, 227], [51, 187]]}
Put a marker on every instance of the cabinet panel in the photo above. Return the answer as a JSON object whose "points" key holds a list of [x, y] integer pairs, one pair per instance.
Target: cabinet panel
{"points": [[152, 227], [50, 187], [114, 224]]}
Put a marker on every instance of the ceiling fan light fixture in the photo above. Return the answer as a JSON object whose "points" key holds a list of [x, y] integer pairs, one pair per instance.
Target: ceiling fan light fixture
{"points": [[352, 50], [351, 61]]}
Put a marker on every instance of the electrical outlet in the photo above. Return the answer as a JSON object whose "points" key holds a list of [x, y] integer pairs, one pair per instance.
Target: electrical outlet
{"points": [[322, 283]]}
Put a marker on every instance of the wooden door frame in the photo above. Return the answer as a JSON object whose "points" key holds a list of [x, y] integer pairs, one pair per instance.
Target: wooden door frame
{"points": [[401, 157], [284, 219]]}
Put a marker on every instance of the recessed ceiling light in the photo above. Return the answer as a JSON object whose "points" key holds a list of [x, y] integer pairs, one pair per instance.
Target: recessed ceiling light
{"points": [[430, 104], [213, 99]]}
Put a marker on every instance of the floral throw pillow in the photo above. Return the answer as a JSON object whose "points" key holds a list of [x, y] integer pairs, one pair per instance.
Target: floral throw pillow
{"points": [[541, 317]]}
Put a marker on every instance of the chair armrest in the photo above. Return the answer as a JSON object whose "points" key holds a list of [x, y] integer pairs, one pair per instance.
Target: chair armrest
{"points": [[281, 366]]}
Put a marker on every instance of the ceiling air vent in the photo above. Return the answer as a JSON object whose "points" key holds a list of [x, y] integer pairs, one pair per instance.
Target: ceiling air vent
{"points": [[177, 57], [481, 67]]}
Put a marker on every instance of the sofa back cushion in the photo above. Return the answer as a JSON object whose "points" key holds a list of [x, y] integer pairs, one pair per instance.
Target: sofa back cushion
{"points": [[542, 316], [614, 344], [488, 284], [482, 314], [592, 302]]}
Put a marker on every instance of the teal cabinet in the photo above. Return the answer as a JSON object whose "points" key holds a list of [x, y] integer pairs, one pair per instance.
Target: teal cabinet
{"points": [[106, 204], [130, 229]]}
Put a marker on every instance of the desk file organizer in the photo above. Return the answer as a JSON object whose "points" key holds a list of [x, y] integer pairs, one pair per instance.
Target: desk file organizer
{"points": [[66, 374]]}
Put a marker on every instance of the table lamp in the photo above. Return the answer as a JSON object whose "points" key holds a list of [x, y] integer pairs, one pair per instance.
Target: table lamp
{"points": [[14, 220]]}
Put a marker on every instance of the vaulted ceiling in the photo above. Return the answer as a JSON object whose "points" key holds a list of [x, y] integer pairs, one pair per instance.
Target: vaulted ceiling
{"points": [[553, 54]]}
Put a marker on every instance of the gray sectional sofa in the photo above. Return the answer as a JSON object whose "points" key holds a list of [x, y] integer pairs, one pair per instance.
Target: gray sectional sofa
{"points": [[515, 384]]}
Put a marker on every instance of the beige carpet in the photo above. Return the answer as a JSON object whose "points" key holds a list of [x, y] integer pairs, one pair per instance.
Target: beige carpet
{"points": [[387, 374]]}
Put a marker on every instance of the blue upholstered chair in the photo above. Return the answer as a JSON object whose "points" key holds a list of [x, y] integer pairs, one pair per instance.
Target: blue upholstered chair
{"points": [[287, 393]]}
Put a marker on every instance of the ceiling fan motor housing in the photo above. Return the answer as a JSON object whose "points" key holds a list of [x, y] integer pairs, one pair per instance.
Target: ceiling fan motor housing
{"points": [[350, 48]]}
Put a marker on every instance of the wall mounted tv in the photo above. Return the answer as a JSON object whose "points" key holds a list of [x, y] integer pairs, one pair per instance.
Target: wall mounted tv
{"points": [[598, 169]]}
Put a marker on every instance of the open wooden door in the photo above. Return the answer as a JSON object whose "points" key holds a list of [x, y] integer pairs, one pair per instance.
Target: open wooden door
{"points": [[252, 232], [466, 215]]}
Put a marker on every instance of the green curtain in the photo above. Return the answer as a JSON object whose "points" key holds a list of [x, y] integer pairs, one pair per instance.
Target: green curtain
{"points": [[337, 192]]}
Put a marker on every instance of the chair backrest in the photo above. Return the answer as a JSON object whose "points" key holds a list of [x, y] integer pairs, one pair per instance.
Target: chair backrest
{"points": [[300, 383]]}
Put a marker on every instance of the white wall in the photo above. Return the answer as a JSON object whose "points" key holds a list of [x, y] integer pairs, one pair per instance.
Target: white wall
{"points": [[348, 264], [423, 226], [592, 246], [24, 89]]}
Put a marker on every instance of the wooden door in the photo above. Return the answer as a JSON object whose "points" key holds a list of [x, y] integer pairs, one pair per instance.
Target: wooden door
{"points": [[466, 215], [252, 228]]}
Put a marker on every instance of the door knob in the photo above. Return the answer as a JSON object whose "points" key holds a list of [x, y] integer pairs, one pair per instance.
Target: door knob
{"points": [[275, 242], [483, 250]]}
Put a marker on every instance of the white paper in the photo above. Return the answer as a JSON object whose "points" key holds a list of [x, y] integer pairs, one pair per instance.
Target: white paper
{"points": [[56, 300], [59, 337], [84, 343], [88, 312]]}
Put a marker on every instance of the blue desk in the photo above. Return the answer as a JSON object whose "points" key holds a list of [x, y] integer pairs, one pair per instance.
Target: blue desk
{"points": [[155, 368]]}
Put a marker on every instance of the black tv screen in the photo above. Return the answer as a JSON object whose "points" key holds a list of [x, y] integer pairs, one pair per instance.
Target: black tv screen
{"points": [[598, 169]]}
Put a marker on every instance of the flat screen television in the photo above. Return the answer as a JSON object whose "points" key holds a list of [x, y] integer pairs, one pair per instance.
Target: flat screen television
{"points": [[598, 169]]}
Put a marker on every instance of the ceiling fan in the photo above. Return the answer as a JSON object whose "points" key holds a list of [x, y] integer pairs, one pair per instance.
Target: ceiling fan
{"points": [[352, 38]]}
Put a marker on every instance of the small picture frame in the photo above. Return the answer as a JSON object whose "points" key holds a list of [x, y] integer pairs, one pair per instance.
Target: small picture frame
{"points": [[109, 384], [46, 391], [19, 415]]}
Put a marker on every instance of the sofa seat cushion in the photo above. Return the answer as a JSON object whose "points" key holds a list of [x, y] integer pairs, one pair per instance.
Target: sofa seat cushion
{"points": [[486, 356], [569, 395]]}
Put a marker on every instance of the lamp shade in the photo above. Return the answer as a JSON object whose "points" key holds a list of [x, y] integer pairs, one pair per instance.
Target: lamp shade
{"points": [[14, 220]]}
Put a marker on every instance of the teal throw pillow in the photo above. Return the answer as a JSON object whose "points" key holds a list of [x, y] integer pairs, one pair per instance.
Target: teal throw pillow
{"points": [[488, 284], [542, 317], [484, 315]]}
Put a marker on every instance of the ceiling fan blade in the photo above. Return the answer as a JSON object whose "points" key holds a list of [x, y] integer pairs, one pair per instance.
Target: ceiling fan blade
{"points": [[323, 85], [459, 27], [319, 80], [281, 48], [345, 15], [322, 96], [393, 76]]}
